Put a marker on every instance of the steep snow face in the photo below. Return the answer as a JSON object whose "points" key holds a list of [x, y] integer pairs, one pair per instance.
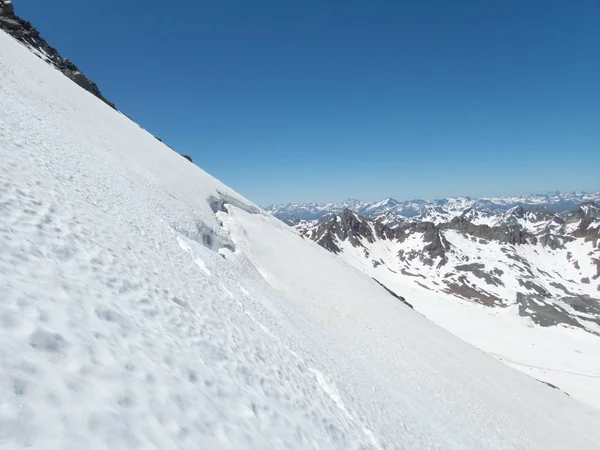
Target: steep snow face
{"points": [[144, 304]]}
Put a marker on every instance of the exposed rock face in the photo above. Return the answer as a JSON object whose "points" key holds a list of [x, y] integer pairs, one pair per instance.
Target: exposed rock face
{"points": [[26, 33], [7, 7], [589, 229], [503, 233], [549, 313], [349, 226], [539, 213], [463, 290], [189, 158], [479, 271], [437, 243]]}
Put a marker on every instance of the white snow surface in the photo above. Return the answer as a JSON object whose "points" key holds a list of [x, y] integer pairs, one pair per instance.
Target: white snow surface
{"points": [[133, 316]]}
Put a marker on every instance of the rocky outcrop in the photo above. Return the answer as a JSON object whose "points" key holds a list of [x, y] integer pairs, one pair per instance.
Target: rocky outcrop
{"points": [[353, 228], [393, 294], [349, 226], [503, 233], [540, 213], [479, 271], [6, 7], [589, 229], [546, 313], [26, 33], [437, 245]]}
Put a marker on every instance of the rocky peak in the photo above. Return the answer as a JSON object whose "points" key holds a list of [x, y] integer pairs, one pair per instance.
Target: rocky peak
{"points": [[539, 213], [585, 210], [6, 8], [437, 245], [351, 227], [518, 212]]}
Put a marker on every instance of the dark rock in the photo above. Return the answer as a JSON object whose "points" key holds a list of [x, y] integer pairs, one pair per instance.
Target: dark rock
{"points": [[559, 286], [469, 293], [9, 24], [554, 387], [477, 270], [587, 231], [393, 294], [189, 158], [584, 304], [503, 233], [553, 241], [542, 313], [546, 314], [437, 243], [531, 286], [27, 34], [349, 226], [6, 8], [539, 213]]}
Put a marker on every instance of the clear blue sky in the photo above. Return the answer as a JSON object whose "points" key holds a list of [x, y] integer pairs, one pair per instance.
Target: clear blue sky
{"points": [[325, 100]]}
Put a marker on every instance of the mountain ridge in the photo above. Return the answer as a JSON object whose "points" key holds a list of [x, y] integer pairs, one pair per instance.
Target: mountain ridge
{"points": [[28, 35], [432, 210]]}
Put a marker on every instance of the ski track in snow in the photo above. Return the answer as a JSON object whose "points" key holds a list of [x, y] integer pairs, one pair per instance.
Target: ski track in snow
{"points": [[133, 316], [545, 368]]}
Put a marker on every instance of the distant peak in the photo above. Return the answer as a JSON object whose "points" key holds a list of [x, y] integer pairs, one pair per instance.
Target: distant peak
{"points": [[389, 202]]}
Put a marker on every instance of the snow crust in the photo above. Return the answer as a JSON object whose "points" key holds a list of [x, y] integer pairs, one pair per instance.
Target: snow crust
{"points": [[144, 304]]}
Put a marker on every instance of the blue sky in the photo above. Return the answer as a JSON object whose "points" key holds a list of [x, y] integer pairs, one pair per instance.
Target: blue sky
{"points": [[325, 100]]}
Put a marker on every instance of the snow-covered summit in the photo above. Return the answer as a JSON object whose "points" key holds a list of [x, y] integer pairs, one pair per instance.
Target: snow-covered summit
{"points": [[144, 304]]}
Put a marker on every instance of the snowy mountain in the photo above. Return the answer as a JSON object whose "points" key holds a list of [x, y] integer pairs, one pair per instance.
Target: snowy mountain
{"points": [[144, 304], [435, 211], [531, 266]]}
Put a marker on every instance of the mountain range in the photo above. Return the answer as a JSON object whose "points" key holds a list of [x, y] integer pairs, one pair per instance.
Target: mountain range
{"points": [[394, 212]]}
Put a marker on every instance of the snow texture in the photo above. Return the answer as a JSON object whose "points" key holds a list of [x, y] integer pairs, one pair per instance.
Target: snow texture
{"points": [[144, 304]]}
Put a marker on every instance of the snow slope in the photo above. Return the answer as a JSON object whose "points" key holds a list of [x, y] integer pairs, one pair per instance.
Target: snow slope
{"points": [[144, 304]]}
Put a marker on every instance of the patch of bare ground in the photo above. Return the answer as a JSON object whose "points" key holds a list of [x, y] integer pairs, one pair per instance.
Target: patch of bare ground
{"points": [[410, 274]]}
